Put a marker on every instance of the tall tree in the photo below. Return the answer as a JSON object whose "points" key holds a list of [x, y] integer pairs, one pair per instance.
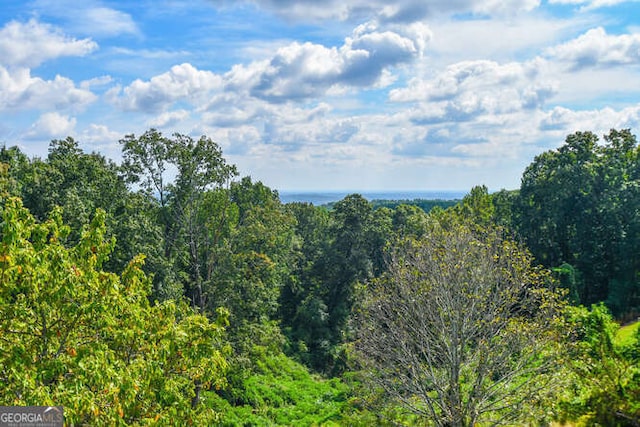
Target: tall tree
{"points": [[199, 168], [578, 207], [260, 254]]}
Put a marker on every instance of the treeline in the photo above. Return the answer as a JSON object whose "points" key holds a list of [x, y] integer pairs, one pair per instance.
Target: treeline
{"points": [[424, 204], [578, 211], [261, 279]]}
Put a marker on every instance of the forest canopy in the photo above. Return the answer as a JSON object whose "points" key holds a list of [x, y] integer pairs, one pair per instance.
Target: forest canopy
{"points": [[169, 288]]}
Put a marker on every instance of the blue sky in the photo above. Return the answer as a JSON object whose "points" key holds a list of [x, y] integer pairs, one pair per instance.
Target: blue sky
{"points": [[356, 95]]}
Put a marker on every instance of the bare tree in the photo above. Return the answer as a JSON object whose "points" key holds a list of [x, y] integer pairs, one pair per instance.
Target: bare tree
{"points": [[460, 330]]}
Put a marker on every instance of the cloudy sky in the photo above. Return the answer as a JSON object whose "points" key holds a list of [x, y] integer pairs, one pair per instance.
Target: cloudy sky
{"points": [[334, 95]]}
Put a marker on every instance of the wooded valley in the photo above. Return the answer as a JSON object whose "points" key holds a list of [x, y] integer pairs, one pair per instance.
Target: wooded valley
{"points": [[167, 290]]}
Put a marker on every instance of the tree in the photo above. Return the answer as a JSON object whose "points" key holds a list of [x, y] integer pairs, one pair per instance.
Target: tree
{"points": [[460, 330], [258, 255], [302, 307], [75, 335], [578, 206], [80, 183], [477, 207], [182, 202]]}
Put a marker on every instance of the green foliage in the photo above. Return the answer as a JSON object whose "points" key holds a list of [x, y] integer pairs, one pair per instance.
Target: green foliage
{"points": [[477, 207], [627, 334], [190, 238], [345, 246], [570, 280], [80, 183], [578, 206], [124, 347], [605, 373], [426, 205], [74, 335], [410, 221], [282, 392]]}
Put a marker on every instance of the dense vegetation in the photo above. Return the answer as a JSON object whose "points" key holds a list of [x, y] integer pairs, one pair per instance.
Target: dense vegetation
{"points": [[168, 290]]}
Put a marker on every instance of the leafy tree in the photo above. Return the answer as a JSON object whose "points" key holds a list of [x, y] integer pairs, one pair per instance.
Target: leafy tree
{"points": [[578, 206], [350, 256], [460, 331], [80, 183], [302, 307], [425, 205], [476, 207], [337, 249], [199, 168], [505, 208], [409, 220], [260, 248], [72, 334], [554, 191], [146, 159]]}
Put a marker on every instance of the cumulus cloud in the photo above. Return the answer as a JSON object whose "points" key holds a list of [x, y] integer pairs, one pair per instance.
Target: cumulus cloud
{"points": [[443, 142], [168, 118], [230, 111], [100, 134], [566, 121], [301, 71], [51, 126], [19, 90], [27, 45], [469, 89], [597, 48], [296, 72], [181, 83]]}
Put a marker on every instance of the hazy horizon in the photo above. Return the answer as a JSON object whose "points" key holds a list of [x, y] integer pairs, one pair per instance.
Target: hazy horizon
{"points": [[324, 197]]}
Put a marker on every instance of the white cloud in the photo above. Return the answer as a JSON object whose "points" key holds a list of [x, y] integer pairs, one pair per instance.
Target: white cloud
{"points": [[168, 118], [51, 126], [302, 71], [565, 121], [469, 89], [103, 21], [596, 47], [229, 110], [497, 39], [100, 138], [96, 82], [504, 7], [90, 17], [296, 72], [20, 91], [99, 134], [181, 83], [27, 45]]}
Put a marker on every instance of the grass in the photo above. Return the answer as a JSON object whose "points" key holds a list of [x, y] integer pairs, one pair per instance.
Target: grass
{"points": [[627, 333], [283, 393]]}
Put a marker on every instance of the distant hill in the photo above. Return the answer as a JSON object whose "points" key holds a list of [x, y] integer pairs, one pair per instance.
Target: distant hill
{"points": [[327, 198], [425, 204]]}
